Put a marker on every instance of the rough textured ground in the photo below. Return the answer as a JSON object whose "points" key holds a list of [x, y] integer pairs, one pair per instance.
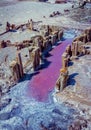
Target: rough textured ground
{"points": [[20, 111], [79, 83], [17, 109], [78, 91], [82, 15], [21, 12]]}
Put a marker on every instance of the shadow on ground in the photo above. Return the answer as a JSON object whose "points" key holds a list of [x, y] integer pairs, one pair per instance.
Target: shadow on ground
{"points": [[28, 76], [70, 63], [71, 80]]}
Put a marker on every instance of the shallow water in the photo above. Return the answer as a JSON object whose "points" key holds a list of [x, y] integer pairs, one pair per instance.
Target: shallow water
{"points": [[44, 82], [32, 107]]}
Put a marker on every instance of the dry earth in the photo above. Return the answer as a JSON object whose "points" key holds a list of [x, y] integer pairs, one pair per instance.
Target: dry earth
{"points": [[15, 103]]}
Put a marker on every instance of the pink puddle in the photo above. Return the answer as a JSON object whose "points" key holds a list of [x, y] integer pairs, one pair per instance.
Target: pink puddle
{"points": [[43, 83]]}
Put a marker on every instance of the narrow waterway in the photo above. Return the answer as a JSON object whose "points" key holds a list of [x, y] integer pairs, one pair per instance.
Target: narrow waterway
{"points": [[44, 81], [31, 105]]}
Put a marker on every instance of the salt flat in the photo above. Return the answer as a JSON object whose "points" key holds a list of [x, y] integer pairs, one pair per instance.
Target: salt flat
{"points": [[18, 110]]}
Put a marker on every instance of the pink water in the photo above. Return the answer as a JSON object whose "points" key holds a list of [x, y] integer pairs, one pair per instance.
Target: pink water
{"points": [[44, 82]]}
